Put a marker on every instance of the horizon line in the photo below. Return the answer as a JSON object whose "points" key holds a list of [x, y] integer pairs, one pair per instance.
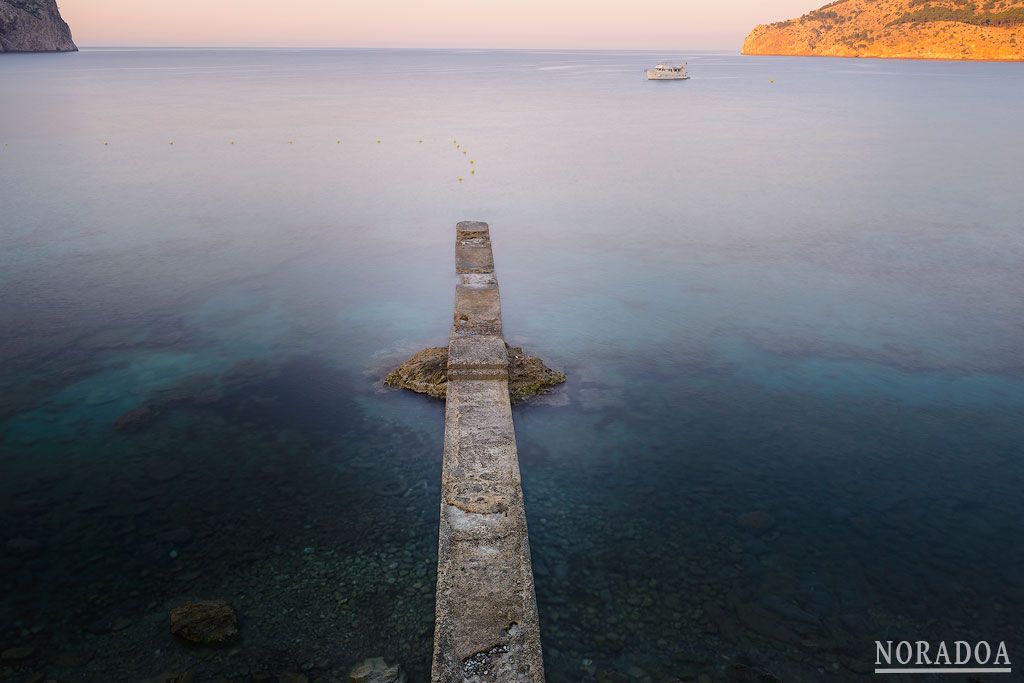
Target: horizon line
{"points": [[410, 48]]}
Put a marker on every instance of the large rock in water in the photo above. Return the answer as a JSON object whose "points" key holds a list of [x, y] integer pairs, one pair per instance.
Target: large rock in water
{"points": [[33, 26], [427, 373], [908, 29], [376, 670], [209, 622]]}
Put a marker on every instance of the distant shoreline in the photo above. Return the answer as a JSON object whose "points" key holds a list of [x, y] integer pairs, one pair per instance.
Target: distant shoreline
{"points": [[667, 51], [688, 53]]}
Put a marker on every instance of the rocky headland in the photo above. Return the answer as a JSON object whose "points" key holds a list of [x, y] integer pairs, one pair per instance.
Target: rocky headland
{"points": [[33, 26], [901, 29]]}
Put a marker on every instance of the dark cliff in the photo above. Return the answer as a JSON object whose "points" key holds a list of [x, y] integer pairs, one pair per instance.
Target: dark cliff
{"points": [[33, 26]]}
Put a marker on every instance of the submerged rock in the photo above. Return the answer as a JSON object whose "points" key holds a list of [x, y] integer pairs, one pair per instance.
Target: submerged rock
{"points": [[207, 622], [197, 392], [376, 670], [24, 547], [163, 469], [173, 677], [757, 521], [135, 419], [427, 373], [741, 673], [17, 654]]}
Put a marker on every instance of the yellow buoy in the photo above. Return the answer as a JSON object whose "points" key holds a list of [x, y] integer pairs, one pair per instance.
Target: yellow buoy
{"points": [[472, 171], [460, 179], [471, 161]]}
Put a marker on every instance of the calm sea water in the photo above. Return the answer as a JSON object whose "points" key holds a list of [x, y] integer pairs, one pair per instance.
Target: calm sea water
{"points": [[788, 294]]}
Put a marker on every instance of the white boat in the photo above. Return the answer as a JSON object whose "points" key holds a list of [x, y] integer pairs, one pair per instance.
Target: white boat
{"points": [[668, 72]]}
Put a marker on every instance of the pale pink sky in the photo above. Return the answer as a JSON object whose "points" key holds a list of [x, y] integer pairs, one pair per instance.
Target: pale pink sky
{"points": [[626, 24]]}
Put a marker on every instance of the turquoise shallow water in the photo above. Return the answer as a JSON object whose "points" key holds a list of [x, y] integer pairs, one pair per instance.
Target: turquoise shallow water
{"points": [[791, 315]]}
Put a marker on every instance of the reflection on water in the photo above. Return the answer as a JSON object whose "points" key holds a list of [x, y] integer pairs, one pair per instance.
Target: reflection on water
{"points": [[791, 317]]}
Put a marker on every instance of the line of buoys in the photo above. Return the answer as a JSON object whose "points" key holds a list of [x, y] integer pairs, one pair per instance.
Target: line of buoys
{"points": [[458, 146], [465, 152]]}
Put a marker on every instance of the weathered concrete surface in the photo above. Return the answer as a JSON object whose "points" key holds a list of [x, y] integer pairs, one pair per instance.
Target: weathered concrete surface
{"points": [[487, 627], [477, 310]]}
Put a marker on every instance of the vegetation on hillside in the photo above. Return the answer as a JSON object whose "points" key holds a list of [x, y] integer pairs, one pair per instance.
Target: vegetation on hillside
{"points": [[962, 11], [931, 29]]}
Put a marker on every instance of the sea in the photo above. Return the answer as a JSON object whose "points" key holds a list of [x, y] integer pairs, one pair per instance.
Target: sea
{"points": [[788, 295]]}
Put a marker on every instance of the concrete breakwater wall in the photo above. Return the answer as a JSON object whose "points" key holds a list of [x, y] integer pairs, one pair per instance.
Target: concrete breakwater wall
{"points": [[486, 615]]}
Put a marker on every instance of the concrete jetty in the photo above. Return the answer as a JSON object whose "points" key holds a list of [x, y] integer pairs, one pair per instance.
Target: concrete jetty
{"points": [[486, 615]]}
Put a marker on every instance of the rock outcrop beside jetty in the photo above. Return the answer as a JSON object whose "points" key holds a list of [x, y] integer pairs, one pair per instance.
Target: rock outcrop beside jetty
{"points": [[33, 26], [901, 29], [427, 373]]}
